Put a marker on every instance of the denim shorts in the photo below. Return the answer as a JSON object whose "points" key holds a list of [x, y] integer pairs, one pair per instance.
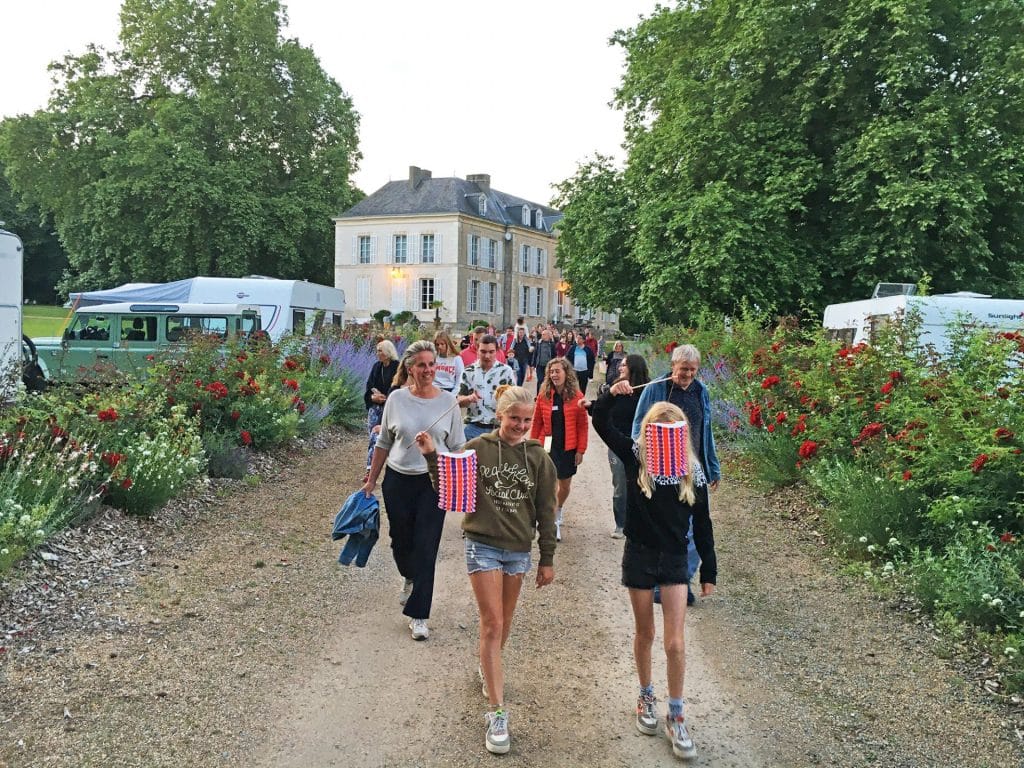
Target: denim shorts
{"points": [[481, 557], [645, 567]]}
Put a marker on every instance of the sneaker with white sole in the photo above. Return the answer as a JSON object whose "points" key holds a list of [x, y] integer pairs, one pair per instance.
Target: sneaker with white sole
{"points": [[618, 534], [419, 628], [497, 739], [403, 596], [682, 744], [646, 717]]}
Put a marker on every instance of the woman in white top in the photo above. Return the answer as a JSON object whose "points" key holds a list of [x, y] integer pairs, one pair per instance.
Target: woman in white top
{"points": [[415, 522], [449, 365]]}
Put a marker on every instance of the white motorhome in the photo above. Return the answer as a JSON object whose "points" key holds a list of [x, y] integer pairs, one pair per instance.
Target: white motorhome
{"points": [[286, 306], [11, 267], [854, 322]]}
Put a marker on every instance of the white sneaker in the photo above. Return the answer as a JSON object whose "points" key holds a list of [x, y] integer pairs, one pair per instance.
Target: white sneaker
{"points": [[682, 744], [618, 534], [558, 531], [419, 628], [403, 596], [497, 740]]}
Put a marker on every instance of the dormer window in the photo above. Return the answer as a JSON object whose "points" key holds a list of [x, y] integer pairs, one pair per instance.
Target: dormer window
{"points": [[526, 215], [539, 218], [483, 205]]}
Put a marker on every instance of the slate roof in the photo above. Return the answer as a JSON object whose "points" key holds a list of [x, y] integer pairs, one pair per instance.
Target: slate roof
{"points": [[443, 195]]}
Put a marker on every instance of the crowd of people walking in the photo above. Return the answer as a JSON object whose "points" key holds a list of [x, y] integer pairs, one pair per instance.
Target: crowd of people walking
{"points": [[508, 463]]}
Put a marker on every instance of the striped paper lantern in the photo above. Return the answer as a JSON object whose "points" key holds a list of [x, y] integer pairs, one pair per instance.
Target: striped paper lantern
{"points": [[666, 449], [456, 473]]}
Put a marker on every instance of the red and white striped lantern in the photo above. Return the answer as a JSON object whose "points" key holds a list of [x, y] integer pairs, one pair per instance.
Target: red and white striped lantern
{"points": [[666, 449], [456, 473]]}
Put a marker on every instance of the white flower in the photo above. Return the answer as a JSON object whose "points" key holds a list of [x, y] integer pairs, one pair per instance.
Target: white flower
{"points": [[1010, 651], [863, 539], [871, 547], [974, 522], [986, 596], [894, 542], [996, 602], [5, 551]]}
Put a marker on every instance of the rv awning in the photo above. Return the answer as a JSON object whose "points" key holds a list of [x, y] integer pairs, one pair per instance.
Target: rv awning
{"points": [[176, 291]]}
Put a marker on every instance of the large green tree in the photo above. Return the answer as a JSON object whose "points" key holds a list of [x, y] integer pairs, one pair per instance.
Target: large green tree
{"points": [[206, 144], [790, 153], [595, 240]]}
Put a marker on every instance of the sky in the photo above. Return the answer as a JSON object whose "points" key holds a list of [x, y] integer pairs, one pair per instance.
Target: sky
{"points": [[519, 90]]}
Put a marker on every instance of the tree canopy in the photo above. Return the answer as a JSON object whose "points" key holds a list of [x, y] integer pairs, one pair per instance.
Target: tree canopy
{"points": [[782, 154], [206, 144], [45, 260]]}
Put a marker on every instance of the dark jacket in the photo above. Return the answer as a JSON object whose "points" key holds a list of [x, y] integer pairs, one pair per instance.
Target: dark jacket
{"points": [[660, 522], [570, 355], [543, 353], [522, 350], [380, 378], [359, 519]]}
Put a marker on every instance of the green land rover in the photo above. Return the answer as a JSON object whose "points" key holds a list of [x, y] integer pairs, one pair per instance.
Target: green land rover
{"points": [[108, 338]]}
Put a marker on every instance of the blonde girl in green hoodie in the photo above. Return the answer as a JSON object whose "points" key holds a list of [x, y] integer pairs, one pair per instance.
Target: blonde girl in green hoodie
{"points": [[515, 503]]}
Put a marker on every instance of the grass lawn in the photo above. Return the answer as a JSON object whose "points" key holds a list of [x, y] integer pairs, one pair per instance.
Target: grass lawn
{"points": [[40, 320]]}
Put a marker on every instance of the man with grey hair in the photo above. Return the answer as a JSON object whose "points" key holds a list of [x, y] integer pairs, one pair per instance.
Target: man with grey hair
{"points": [[681, 388]]}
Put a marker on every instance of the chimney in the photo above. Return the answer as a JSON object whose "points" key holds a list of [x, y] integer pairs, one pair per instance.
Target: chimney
{"points": [[416, 175], [482, 180]]}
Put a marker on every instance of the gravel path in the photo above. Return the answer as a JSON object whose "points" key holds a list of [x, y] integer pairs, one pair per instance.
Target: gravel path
{"points": [[233, 637]]}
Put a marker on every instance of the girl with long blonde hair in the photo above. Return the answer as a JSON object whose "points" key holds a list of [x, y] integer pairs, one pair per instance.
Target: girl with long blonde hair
{"points": [[659, 509]]}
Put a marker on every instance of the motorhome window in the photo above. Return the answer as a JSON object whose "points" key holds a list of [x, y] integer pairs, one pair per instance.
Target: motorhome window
{"points": [[298, 322], [138, 329], [844, 335], [875, 324], [318, 320], [89, 328], [180, 326], [336, 319]]}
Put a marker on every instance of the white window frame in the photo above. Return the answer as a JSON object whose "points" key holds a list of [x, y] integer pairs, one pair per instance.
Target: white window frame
{"points": [[524, 259], [494, 297], [428, 255], [492, 253], [473, 296], [482, 205], [539, 261], [395, 240], [538, 300], [526, 216], [428, 292], [474, 251], [524, 300], [365, 252]]}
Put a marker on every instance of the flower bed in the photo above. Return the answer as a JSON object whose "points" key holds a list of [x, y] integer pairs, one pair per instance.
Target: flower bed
{"points": [[139, 443], [918, 458]]}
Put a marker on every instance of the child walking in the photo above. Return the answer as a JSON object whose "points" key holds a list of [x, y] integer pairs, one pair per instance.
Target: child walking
{"points": [[515, 503], [659, 509]]}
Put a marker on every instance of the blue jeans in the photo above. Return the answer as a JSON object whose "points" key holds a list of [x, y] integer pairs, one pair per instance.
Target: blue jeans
{"points": [[475, 430], [619, 490]]}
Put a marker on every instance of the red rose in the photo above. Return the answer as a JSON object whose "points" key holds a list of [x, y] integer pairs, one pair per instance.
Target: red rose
{"points": [[235, 415], [1002, 433], [1007, 538], [127, 483], [246, 437], [979, 462], [771, 427], [907, 475], [755, 417], [780, 417], [325, 359], [670, 347], [887, 388], [290, 364], [770, 382], [807, 449]]}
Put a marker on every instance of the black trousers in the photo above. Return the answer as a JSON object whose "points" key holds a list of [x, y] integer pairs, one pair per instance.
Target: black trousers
{"points": [[415, 525], [584, 379]]}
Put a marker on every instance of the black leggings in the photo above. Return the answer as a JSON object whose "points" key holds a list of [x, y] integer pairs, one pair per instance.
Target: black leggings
{"points": [[415, 524]]}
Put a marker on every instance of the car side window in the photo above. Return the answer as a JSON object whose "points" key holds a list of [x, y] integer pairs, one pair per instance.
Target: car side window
{"points": [[138, 329], [89, 328]]}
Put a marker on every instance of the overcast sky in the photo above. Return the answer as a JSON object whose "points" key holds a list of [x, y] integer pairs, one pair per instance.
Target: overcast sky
{"points": [[519, 90]]}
